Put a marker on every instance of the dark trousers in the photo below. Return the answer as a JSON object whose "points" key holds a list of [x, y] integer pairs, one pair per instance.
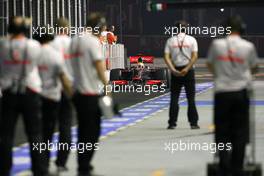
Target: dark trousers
{"points": [[231, 118], [188, 82], [29, 105], [89, 120], [62, 113], [0, 107]]}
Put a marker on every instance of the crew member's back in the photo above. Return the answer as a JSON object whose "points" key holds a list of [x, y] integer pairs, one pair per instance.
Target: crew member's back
{"points": [[89, 49], [232, 73]]}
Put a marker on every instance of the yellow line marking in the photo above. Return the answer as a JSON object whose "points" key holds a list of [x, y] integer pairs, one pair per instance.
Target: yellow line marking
{"points": [[211, 127], [158, 173]]}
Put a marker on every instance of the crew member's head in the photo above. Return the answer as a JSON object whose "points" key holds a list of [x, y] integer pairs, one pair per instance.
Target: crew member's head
{"points": [[44, 38], [19, 26], [112, 28], [140, 60], [107, 29], [104, 28], [182, 26], [63, 25], [140, 64], [237, 25], [96, 20]]}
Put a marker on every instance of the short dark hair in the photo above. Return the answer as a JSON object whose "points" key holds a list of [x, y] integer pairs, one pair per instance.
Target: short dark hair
{"points": [[95, 19], [63, 22], [236, 23], [44, 38], [181, 25], [140, 60], [19, 25]]}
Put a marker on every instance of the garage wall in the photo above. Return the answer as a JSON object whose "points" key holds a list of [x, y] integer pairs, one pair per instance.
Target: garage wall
{"points": [[43, 12], [140, 31]]}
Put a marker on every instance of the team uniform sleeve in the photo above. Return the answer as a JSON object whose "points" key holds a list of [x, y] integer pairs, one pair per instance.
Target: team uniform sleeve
{"points": [[1, 55], [211, 53], [73, 45], [194, 45], [34, 52], [96, 50], [55, 44], [167, 47], [2, 41], [61, 66], [110, 38], [253, 58], [1, 48]]}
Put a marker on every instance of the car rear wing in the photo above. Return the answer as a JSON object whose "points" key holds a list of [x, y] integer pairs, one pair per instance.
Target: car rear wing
{"points": [[146, 59]]}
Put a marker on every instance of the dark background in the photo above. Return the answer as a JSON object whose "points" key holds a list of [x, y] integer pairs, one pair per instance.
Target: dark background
{"points": [[141, 31]]}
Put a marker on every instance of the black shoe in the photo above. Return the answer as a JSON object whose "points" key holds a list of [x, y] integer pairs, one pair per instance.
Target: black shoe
{"points": [[85, 174], [52, 174], [48, 174], [91, 168], [89, 173], [195, 127], [62, 169], [171, 127]]}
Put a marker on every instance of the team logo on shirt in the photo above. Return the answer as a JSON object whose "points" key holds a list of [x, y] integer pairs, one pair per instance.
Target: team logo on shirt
{"points": [[43, 67]]}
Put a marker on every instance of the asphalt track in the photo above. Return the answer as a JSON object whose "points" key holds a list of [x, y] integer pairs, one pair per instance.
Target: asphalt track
{"points": [[128, 99], [139, 150], [130, 116], [136, 144], [123, 99]]}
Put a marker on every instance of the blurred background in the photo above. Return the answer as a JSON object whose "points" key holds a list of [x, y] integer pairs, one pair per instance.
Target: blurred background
{"points": [[139, 30]]}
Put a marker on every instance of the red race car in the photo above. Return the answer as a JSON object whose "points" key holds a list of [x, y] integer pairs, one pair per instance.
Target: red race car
{"points": [[141, 72]]}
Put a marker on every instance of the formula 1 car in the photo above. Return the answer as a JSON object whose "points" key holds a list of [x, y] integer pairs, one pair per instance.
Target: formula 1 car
{"points": [[141, 72]]}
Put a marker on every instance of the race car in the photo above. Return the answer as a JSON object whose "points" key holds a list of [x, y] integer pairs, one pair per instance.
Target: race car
{"points": [[141, 71]]}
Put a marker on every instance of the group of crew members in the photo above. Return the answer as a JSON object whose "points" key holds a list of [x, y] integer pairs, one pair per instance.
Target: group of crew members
{"points": [[47, 78], [44, 80], [232, 60], [107, 35]]}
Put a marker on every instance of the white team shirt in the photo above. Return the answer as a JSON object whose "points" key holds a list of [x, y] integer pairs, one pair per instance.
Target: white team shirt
{"points": [[188, 45], [104, 36], [13, 64], [62, 43], [51, 66], [86, 49], [232, 73], [104, 33]]}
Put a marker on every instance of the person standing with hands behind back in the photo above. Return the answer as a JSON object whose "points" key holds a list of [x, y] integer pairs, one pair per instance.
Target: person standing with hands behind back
{"points": [[21, 86], [232, 60], [181, 53], [89, 76], [61, 43], [54, 78]]}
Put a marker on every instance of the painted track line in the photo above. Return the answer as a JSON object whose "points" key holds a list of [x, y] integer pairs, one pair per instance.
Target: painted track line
{"points": [[131, 116]]}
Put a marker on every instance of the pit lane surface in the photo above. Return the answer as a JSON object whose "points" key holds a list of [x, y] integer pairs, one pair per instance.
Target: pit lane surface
{"points": [[140, 113]]}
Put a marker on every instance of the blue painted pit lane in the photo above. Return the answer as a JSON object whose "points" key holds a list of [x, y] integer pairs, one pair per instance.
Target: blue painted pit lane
{"points": [[211, 103], [131, 115]]}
